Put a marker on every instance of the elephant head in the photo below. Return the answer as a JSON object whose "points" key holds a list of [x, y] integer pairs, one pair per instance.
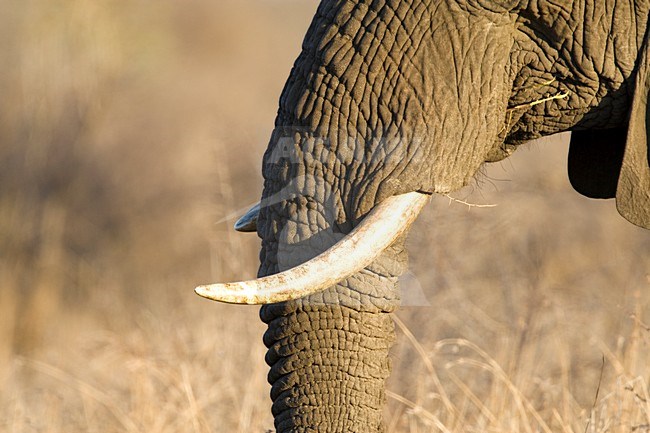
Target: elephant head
{"points": [[391, 101]]}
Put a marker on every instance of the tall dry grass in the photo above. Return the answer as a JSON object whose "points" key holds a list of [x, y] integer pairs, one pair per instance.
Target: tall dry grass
{"points": [[130, 131]]}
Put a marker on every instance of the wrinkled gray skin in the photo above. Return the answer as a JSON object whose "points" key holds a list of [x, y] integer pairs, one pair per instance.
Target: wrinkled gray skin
{"points": [[393, 96]]}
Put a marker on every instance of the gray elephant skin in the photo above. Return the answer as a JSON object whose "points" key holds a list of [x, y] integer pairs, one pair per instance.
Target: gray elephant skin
{"points": [[393, 96]]}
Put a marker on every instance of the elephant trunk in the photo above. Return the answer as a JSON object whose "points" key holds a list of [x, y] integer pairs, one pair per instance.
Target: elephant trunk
{"points": [[328, 353]]}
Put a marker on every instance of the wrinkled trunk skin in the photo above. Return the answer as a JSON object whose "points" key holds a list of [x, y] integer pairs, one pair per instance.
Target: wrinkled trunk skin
{"points": [[353, 116], [329, 357], [345, 389], [328, 353]]}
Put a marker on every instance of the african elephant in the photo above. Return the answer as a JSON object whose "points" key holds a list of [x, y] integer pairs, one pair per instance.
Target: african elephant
{"points": [[391, 101]]}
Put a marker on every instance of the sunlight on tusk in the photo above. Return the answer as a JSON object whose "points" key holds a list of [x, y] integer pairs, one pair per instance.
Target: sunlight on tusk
{"points": [[378, 230], [248, 223]]}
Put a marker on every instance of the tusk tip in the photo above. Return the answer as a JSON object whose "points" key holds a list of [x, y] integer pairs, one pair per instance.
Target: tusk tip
{"points": [[248, 222], [224, 293], [202, 291], [212, 292]]}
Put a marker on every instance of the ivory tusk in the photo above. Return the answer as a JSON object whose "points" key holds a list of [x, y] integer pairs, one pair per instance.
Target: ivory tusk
{"points": [[248, 223], [378, 230]]}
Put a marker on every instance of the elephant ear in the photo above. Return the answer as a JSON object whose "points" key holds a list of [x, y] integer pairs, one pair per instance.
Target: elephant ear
{"points": [[595, 159], [633, 191]]}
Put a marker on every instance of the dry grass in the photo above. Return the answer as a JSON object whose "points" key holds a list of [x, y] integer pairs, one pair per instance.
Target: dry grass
{"points": [[129, 128]]}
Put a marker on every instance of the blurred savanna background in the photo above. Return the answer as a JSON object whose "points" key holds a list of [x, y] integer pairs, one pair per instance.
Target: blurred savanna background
{"points": [[131, 135]]}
